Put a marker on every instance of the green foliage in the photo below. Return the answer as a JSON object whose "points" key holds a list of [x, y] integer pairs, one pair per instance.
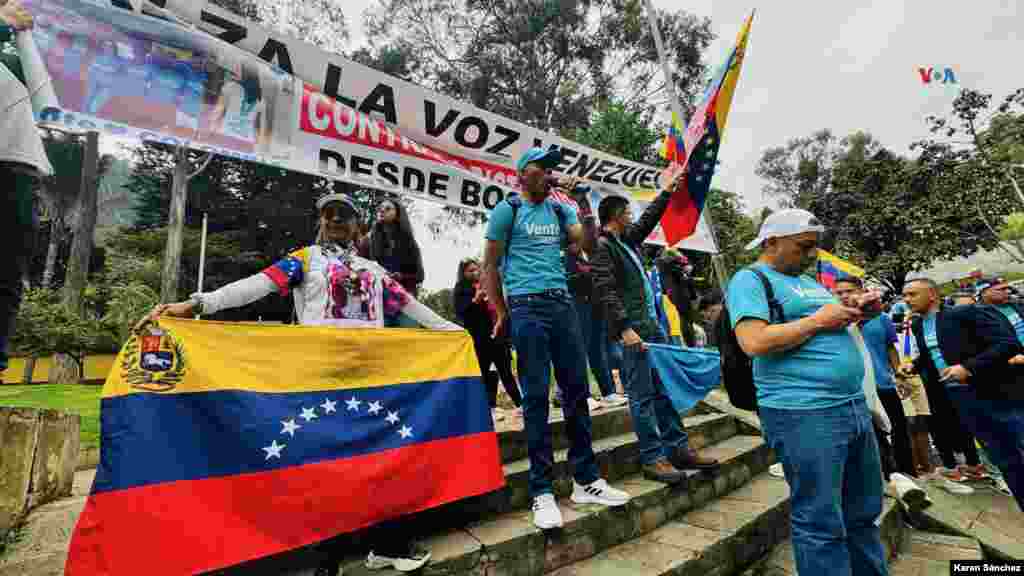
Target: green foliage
{"points": [[616, 129], [1013, 227], [733, 228], [46, 326], [441, 303], [546, 63]]}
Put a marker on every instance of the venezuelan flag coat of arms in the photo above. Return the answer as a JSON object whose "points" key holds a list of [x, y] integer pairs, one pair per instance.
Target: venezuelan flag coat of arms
{"points": [[225, 442]]}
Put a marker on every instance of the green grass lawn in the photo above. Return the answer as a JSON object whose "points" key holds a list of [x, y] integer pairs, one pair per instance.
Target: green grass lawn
{"points": [[80, 399]]}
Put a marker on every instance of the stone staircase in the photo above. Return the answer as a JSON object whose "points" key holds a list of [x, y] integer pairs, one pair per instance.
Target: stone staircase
{"points": [[707, 524], [910, 552]]}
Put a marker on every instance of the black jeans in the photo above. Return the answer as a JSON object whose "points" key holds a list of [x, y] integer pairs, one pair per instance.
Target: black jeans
{"points": [[902, 452], [947, 430], [16, 254], [496, 351]]}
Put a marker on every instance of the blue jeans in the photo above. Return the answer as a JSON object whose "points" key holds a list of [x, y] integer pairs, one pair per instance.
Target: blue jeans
{"points": [[657, 424], [545, 331], [595, 338], [999, 424], [831, 461], [615, 355]]}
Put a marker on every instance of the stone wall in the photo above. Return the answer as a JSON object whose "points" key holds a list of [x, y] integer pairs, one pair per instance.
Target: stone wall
{"points": [[38, 455]]}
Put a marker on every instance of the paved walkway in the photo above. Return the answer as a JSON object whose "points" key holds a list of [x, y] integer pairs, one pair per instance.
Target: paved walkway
{"points": [[43, 544], [988, 515]]}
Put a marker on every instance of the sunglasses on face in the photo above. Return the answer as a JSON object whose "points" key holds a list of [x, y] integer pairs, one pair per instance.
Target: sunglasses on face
{"points": [[337, 212]]}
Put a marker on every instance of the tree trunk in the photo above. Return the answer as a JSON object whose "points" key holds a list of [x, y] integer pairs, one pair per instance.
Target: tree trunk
{"points": [[65, 370], [175, 228], [30, 368], [56, 231]]}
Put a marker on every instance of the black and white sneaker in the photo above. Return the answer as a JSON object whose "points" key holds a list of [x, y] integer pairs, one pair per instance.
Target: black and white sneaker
{"points": [[598, 492]]}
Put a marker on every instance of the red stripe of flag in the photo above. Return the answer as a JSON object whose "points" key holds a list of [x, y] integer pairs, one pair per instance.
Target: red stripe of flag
{"points": [[195, 526]]}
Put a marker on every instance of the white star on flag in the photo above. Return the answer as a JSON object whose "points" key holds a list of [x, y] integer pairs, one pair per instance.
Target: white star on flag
{"points": [[289, 427], [353, 404], [375, 407], [308, 414], [329, 406], [392, 417], [274, 450], [405, 432]]}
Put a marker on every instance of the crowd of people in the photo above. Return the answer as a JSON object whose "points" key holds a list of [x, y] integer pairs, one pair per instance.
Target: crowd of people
{"points": [[848, 395]]}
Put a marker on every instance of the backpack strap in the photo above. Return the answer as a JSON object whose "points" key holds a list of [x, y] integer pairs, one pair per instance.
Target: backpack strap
{"points": [[515, 201], [774, 306]]}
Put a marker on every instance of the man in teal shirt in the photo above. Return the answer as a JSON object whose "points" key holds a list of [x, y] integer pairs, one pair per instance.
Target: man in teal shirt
{"points": [[809, 374], [996, 292], [529, 232]]}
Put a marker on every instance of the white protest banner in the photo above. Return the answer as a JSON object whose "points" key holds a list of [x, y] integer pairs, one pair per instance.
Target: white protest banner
{"points": [[252, 95]]}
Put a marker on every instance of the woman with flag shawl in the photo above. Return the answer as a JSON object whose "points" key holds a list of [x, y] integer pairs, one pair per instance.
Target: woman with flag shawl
{"points": [[331, 285]]}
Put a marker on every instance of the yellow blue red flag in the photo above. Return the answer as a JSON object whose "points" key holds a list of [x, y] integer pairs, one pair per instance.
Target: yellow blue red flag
{"points": [[832, 268], [701, 142], [225, 442]]}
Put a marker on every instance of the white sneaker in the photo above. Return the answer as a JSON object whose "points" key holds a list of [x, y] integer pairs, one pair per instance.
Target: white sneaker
{"points": [[776, 470], [414, 561], [908, 492], [594, 404], [613, 400], [950, 486], [546, 514], [598, 492], [1002, 486]]}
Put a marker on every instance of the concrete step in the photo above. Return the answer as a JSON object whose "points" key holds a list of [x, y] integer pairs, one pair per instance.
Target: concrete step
{"points": [[928, 554], [780, 562], [509, 544], [617, 457], [605, 422], [714, 538]]}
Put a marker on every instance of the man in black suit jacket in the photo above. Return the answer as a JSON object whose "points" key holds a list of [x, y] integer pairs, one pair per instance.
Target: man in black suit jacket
{"points": [[965, 353]]}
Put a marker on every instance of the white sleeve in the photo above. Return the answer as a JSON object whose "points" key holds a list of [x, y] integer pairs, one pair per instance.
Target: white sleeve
{"points": [[239, 293], [427, 317]]}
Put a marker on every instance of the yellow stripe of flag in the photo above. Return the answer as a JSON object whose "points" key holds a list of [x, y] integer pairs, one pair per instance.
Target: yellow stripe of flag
{"points": [[286, 358], [728, 86], [841, 265]]}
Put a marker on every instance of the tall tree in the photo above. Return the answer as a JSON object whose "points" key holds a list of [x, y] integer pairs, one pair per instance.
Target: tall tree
{"points": [[899, 218], [980, 147], [628, 133], [547, 63], [734, 229]]}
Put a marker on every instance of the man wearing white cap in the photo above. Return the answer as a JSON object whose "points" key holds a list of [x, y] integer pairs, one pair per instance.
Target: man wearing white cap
{"points": [[809, 374]]}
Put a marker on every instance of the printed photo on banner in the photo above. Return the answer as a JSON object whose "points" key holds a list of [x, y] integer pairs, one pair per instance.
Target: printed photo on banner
{"points": [[155, 76]]}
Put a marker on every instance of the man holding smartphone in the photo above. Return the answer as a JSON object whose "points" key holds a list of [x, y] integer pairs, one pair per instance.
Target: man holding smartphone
{"points": [[809, 372]]}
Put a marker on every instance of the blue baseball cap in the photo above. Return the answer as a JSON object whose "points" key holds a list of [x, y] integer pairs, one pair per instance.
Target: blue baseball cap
{"points": [[546, 158]]}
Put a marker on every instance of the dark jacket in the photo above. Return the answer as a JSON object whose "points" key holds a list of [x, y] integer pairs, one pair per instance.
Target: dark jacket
{"points": [[474, 316], [979, 338], [617, 281], [1019, 307], [678, 285]]}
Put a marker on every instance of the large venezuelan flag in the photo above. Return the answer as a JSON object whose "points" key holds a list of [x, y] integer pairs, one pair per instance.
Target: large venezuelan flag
{"points": [[224, 442], [701, 143], [832, 268]]}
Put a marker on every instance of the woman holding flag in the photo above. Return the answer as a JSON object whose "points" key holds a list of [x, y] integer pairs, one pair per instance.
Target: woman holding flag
{"points": [[331, 285]]}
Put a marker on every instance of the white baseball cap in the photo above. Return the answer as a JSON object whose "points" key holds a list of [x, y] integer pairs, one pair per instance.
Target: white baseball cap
{"points": [[789, 222]]}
